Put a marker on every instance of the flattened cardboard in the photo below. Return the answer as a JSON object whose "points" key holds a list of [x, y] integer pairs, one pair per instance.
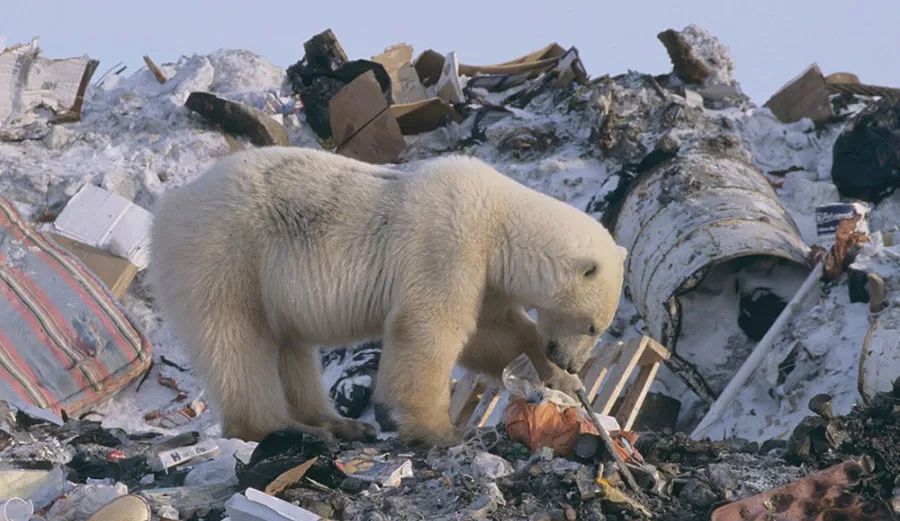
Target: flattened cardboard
{"points": [[806, 96], [423, 116], [362, 124], [116, 272]]}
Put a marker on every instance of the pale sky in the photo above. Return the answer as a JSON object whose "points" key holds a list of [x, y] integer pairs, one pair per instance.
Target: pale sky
{"points": [[770, 40]]}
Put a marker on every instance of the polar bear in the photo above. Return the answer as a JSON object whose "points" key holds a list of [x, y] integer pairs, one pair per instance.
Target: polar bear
{"points": [[275, 252]]}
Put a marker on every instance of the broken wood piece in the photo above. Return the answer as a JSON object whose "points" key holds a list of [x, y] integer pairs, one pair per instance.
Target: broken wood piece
{"points": [[238, 118], [160, 76], [805, 96]]}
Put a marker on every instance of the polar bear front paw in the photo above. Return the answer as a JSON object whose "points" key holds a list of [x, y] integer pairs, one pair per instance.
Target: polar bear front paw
{"points": [[352, 430]]}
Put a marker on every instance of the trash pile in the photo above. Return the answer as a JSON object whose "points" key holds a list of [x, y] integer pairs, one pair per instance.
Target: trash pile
{"points": [[751, 371]]}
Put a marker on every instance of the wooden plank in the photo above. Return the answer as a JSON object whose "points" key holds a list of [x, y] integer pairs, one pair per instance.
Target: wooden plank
{"points": [[634, 399], [495, 417], [463, 399], [654, 352], [160, 76], [489, 399], [595, 371], [617, 378]]}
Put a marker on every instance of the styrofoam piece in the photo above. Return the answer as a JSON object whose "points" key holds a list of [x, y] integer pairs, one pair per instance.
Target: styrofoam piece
{"points": [[254, 505], [104, 220]]}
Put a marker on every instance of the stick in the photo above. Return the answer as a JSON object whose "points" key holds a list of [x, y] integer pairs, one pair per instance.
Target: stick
{"points": [[626, 472], [759, 353], [160, 77]]}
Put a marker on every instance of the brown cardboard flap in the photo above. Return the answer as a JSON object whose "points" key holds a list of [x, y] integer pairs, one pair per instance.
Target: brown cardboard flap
{"points": [[354, 106], [116, 272], [423, 116], [362, 125], [380, 141]]}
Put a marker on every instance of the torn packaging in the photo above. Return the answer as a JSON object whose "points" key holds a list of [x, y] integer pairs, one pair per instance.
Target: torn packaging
{"points": [[28, 81]]}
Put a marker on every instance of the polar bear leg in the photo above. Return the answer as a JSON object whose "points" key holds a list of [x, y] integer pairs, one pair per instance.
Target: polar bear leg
{"points": [[242, 371], [301, 377], [414, 374]]}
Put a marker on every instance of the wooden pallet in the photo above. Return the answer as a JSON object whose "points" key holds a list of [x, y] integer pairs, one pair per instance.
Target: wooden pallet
{"points": [[606, 376], [475, 402]]}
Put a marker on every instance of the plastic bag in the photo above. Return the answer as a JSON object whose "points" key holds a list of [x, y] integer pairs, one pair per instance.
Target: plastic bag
{"points": [[521, 379]]}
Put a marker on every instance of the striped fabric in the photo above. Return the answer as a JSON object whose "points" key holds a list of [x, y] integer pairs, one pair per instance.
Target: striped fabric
{"points": [[65, 343]]}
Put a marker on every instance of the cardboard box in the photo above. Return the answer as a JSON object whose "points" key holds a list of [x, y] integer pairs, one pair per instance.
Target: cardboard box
{"points": [[362, 125], [116, 272]]}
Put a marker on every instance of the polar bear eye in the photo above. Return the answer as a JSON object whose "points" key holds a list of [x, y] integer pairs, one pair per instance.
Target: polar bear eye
{"points": [[590, 271], [592, 330]]}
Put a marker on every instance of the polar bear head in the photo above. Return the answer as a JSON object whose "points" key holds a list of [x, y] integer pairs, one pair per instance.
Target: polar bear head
{"points": [[585, 299]]}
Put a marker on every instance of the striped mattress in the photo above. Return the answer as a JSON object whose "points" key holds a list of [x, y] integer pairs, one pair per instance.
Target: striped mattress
{"points": [[65, 342]]}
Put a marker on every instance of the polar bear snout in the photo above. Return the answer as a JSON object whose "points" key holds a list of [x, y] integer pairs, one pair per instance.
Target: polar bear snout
{"points": [[568, 361], [555, 355]]}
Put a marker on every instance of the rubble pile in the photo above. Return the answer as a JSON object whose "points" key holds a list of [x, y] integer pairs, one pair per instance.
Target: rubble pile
{"points": [[757, 328]]}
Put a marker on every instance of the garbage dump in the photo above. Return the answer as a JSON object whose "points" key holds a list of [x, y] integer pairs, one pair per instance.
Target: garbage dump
{"points": [[751, 370]]}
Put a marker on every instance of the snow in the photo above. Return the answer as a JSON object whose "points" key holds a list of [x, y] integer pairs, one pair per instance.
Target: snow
{"points": [[137, 140]]}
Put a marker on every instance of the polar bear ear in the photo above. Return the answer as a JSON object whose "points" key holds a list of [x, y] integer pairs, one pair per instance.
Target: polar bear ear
{"points": [[588, 268]]}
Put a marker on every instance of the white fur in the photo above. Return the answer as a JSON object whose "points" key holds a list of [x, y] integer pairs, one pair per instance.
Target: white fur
{"points": [[277, 251]]}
